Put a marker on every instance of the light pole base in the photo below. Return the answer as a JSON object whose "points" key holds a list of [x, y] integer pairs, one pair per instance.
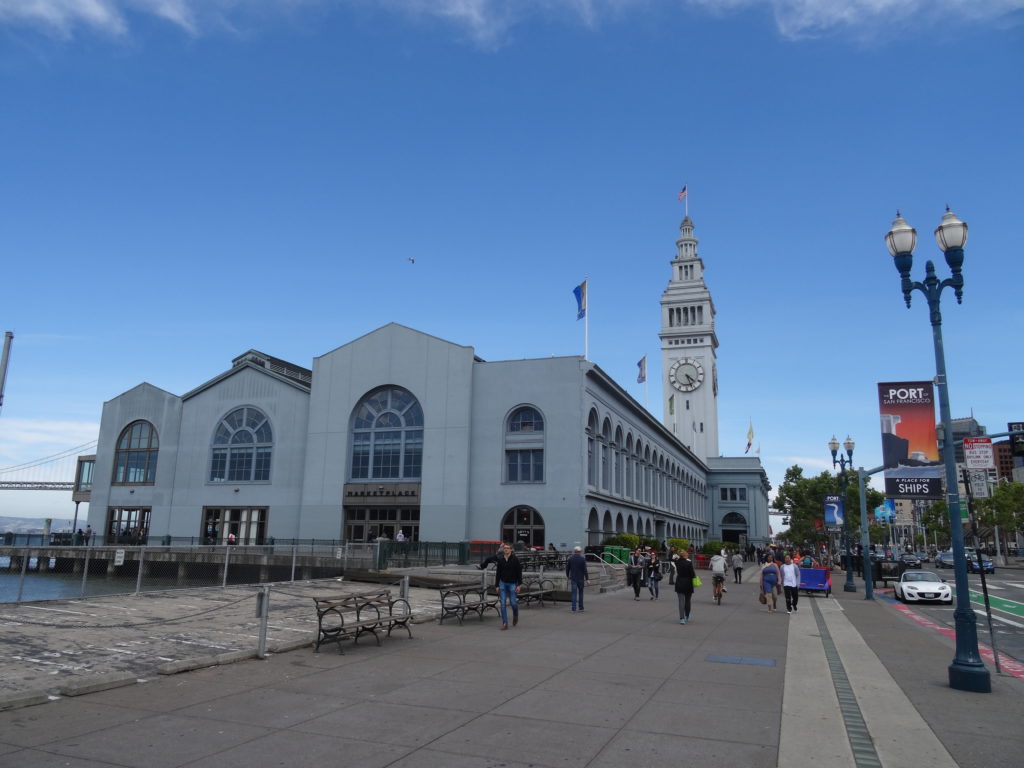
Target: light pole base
{"points": [[969, 677], [849, 587]]}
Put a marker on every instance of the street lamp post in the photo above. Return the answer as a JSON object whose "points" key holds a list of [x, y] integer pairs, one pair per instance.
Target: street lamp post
{"points": [[843, 462], [967, 672]]}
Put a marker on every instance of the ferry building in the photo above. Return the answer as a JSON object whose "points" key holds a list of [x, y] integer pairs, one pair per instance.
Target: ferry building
{"points": [[400, 430]]}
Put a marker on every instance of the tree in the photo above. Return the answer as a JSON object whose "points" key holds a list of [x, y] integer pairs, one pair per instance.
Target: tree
{"points": [[1004, 508], [935, 519], [803, 500]]}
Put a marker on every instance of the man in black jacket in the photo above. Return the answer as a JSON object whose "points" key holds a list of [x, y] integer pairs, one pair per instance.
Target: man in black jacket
{"points": [[576, 573], [510, 580]]}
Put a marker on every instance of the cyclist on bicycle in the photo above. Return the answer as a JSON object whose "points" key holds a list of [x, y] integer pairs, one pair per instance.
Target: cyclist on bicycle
{"points": [[718, 565]]}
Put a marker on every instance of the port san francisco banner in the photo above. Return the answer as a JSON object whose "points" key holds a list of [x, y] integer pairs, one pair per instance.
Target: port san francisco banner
{"points": [[910, 452]]}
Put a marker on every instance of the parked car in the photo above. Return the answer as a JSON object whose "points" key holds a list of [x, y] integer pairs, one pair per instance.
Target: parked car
{"points": [[987, 565], [910, 560], [922, 556], [944, 560], [915, 586]]}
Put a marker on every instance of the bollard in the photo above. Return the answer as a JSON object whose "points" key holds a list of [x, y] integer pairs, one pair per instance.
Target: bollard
{"points": [[24, 567], [263, 613], [85, 571], [227, 557], [405, 587], [295, 556], [138, 579]]}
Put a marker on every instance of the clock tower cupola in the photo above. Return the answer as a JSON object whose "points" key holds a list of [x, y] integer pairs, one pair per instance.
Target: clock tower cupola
{"points": [[688, 356]]}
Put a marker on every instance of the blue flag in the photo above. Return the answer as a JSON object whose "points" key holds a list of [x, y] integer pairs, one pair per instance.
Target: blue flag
{"points": [[580, 292]]}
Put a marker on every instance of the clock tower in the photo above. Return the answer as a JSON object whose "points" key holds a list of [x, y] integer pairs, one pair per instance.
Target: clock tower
{"points": [[688, 343]]}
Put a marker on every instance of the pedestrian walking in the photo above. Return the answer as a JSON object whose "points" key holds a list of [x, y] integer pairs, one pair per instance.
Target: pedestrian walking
{"points": [[791, 583], [654, 576], [685, 575], [737, 568], [509, 576], [771, 578], [577, 574], [635, 571]]}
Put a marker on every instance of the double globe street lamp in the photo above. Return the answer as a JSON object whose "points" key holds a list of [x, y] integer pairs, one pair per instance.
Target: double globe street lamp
{"points": [[967, 672], [843, 462]]}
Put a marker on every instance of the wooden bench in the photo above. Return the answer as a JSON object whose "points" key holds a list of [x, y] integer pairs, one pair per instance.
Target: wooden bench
{"points": [[459, 599], [340, 617]]}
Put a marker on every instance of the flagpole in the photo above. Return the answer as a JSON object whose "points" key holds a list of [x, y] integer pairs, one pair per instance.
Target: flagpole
{"points": [[586, 323]]}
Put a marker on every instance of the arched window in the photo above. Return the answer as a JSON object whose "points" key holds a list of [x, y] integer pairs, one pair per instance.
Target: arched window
{"points": [[591, 455], [135, 458], [524, 446], [606, 451], [242, 447], [387, 436]]}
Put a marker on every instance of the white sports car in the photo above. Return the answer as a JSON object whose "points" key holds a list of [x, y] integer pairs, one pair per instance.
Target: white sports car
{"points": [[915, 585]]}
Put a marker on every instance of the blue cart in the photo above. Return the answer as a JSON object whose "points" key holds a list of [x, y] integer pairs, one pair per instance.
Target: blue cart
{"points": [[816, 580]]}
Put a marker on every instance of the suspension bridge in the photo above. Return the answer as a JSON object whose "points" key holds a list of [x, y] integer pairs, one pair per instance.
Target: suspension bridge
{"points": [[56, 472]]}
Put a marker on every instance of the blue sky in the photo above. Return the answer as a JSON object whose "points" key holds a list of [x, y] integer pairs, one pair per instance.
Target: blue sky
{"points": [[183, 180]]}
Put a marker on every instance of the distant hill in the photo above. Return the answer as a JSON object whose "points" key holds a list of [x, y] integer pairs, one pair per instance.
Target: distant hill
{"points": [[33, 524]]}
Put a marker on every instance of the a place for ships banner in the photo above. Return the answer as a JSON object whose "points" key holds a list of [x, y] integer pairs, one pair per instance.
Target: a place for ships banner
{"points": [[910, 452]]}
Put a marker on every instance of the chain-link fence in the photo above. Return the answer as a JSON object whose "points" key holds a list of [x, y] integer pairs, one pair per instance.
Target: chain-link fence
{"points": [[30, 573]]}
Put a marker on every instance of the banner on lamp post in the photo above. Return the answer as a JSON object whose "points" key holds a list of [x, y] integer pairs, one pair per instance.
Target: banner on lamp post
{"points": [[910, 452]]}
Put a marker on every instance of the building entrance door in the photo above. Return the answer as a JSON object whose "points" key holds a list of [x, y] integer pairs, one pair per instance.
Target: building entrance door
{"points": [[523, 524]]}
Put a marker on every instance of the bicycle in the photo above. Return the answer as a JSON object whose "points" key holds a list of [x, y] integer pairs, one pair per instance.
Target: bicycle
{"points": [[717, 584]]}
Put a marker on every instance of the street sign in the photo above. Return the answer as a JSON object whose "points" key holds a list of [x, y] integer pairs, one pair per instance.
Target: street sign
{"points": [[979, 483], [978, 453]]}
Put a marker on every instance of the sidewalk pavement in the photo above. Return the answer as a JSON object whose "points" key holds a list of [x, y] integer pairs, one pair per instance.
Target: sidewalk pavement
{"points": [[841, 682]]}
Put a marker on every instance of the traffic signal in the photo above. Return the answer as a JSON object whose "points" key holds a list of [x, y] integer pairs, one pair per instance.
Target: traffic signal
{"points": [[1017, 441]]}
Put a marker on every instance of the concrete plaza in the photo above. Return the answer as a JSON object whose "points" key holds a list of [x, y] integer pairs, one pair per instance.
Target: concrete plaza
{"points": [[841, 682]]}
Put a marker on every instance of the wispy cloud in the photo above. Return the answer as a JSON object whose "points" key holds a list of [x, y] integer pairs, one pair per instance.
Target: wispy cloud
{"points": [[488, 22], [27, 440]]}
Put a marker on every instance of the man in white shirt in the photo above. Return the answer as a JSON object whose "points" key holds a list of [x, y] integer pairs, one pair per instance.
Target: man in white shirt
{"points": [[791, 583]]}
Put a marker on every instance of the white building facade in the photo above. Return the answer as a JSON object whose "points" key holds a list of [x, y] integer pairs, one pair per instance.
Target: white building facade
{"points": [[401, 431]]}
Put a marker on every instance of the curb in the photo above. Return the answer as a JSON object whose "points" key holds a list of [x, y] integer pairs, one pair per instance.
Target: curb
{"points": [[23, 699], [98, 683]]}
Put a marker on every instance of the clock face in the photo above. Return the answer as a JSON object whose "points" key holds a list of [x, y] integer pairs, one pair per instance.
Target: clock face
{"points": [[686, 374]]}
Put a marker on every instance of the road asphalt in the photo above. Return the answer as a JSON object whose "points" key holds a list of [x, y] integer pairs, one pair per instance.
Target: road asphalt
{"points": [[170, 680]]}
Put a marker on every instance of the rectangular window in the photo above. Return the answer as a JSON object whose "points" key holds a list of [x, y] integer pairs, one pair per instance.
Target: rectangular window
{"points": [[234, 525], [412, 467], [219, 465], [360, 455], [262, 470], [724, 492], [240, 464], [742, 494], [387, 454], [127, 525], [525, 466]]}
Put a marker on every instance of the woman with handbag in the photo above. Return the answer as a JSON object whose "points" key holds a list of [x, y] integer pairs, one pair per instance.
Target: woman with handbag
{"points": [[771, 578], [685, 574], [654, 576], [635, 571]]}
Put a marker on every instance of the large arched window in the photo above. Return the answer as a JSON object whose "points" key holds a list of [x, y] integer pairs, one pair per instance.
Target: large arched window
{"points": [[242, 448], [524, 446], [135, 458], [387, 436]]}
